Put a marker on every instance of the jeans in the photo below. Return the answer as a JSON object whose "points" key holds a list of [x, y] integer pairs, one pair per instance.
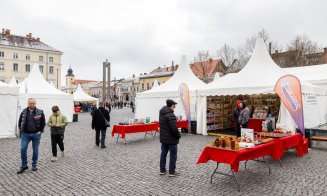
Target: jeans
{"points": [[97, 136], [173, 157], [25, 140], [57, 139]]}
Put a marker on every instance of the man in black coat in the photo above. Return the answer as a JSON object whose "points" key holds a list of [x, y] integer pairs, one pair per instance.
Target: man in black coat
{"points": [[99, 117], [169, 137]]}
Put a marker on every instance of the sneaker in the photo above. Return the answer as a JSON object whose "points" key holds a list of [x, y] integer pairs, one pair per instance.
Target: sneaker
{"points": [[22, 169], [174, 174], [103, 146], [54, 159], [62, 154], [34, 168], [163, 173]]}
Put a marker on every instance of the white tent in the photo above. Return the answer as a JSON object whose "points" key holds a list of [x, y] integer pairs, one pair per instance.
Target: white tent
{"points": [[315, 74], [13, 82], [149, 103], [259, 76], [156, 84], [8, 112], [81, 96], [217, 76], [46, 95]]}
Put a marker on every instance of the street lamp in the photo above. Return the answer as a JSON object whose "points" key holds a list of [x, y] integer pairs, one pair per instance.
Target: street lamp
{"points": [[57, 79]]}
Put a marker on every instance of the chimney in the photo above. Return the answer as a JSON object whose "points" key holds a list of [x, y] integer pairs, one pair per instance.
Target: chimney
{"points": [[3, 31], [38, 39], [140, 74], [133, 75], [325, 49], [276, 51], [144, 74], [210, 60]]}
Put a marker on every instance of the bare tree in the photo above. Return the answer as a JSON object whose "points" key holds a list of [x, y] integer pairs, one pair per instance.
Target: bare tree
{"points": [[227, 55], [250, 42], [303, 45]]}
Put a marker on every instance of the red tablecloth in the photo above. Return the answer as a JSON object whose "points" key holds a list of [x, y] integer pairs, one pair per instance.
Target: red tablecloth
{"points": [[233, 158], [282, 144], [255, 124], [123, 129], [180, 124]]}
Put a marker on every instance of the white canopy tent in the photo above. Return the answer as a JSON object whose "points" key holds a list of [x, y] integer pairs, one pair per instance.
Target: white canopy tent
{"points": [[217, 77], [149, 103], [259, 76], [315, 74], [155, 85], [8, 112], [46, 95], [13, 82], [81, 96]]}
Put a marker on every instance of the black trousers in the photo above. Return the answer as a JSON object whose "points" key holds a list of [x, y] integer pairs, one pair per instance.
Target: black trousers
{"points": [[97, 136], [57, 139]]}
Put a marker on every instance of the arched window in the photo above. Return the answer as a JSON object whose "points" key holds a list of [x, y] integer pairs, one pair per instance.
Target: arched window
{"points": [[147, 86], [142, 86]]}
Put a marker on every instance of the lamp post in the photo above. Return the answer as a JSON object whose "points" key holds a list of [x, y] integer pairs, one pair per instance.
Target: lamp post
{"points": [[57, 79]]}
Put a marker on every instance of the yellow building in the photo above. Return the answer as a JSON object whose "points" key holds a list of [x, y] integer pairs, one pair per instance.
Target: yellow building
{"points": [[19, 53], [161, 74]]}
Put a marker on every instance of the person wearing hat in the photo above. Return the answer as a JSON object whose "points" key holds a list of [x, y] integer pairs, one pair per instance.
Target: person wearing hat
{"points": [[99, 118], [169, 138]]}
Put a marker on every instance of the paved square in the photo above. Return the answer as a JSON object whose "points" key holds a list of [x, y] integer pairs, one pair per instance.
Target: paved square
{"points": [[133, 169]]}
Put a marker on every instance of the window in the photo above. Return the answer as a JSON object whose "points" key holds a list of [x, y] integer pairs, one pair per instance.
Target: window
{"points": [[51, 59], [27, 67], [137, 89], [2, 66], [15, 67], [159, 83], [40, 58], [41, 68], [28, 57], [2, 54], [15, 55], [152, 83], [51, 69], [147, 86], [142, 86]]}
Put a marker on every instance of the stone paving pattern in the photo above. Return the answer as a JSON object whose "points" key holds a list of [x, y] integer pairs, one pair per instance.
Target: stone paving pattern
{"points": [[133, 169]]}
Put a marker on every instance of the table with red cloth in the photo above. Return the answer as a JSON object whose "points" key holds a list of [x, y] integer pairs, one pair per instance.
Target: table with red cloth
{"points": [[255, 124], [136, 128], [233, 158], [291, 141], [180, 124]]}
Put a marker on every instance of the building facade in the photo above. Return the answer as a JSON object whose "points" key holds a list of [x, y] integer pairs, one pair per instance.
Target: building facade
{"points": [[19, 53]]}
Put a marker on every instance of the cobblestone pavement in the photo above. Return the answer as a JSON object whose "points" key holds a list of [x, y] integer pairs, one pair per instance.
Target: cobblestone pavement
{"points": [[132, 169]]}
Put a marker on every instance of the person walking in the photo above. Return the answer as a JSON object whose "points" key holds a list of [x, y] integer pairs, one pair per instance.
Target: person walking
{"points": [[31, 124], [169, 138], [57, 123], [100, 122]]}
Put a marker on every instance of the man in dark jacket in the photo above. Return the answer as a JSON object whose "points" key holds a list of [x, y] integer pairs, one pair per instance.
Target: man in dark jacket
{"points": [[99, 117], [31, 124], [169, 137]]}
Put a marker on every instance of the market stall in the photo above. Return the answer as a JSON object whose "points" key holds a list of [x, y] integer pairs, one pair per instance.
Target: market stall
{"points": [[46, 95], [149, 103], [81, 97], [122, 130], [255, 84], [8, 112]]}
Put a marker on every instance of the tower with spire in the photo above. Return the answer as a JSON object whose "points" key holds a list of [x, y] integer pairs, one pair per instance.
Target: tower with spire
{"points": [[70, 79]]}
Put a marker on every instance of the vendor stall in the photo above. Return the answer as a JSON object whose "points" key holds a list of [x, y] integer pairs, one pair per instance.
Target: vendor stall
{"points": [[255, 84], [80, 97]]}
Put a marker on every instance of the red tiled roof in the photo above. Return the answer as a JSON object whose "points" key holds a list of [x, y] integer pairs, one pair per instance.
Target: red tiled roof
{"points": [[76, 81]]}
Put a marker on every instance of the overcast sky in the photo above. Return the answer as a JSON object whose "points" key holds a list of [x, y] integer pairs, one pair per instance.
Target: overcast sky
{"points": [[137, 36]]}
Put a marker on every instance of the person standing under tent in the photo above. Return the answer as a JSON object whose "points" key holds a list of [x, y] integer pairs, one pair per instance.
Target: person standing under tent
{"points": [[235, 115], [244, 115], [57, 123], [31, 124]]}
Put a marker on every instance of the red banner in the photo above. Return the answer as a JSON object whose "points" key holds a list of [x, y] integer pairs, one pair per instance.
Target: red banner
{"points": [[288, 88]]}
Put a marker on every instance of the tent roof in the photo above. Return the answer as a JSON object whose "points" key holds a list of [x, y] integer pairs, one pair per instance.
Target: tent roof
{"points": [[259, 76], [80, 95], [313, 73], [183, 74], [36, 84]]}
